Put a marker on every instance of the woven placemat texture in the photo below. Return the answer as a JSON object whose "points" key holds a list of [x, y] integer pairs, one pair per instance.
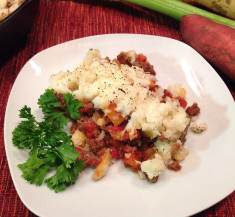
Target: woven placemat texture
{"points": [[60, 21]]}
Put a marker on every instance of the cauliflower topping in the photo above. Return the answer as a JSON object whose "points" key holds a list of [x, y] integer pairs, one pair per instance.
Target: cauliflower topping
{"points": [[8, 6], [126, 115], [103, 82], [153, 167]]}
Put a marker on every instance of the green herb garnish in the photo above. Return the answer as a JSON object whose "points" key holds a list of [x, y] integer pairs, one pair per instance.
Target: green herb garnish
{"points": [[50, 147]]}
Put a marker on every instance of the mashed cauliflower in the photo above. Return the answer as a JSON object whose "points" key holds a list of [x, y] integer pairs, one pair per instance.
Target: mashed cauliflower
{"points": [[8, 6], [149, 123], [103, 82]]}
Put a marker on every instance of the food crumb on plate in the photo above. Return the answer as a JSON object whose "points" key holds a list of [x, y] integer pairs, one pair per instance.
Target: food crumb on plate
{"points": [[199, 127]]}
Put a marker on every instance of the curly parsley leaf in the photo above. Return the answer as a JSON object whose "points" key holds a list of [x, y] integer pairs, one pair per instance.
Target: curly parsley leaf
{"points": [[25, 112], [67, 154], [50, 147], [52, 109], [48, 101], [24, 133], [64, 176], [55, 112], [72, 106], [35, 169]]}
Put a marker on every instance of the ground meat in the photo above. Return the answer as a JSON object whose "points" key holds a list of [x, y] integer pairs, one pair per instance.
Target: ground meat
{"points": [[193, 110], [144, 146], [101, 152], [174, 166], [89, 159], [175, 146], [147, 67], [107, 58], [183, 135], [145, 142], [60, 97], [167, 94], [98, 147], [109, 141], [153, 180], [123, 58], [115, 145], [84, 119], [135, 142], [129, 149], [74, 127], [87, 109], [95, 145]]}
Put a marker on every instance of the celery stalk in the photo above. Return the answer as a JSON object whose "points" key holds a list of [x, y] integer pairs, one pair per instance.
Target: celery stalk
{"points": [[178, 9]]}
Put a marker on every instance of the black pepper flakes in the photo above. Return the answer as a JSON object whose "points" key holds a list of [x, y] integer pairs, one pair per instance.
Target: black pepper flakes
{"points": [[121, 90]]}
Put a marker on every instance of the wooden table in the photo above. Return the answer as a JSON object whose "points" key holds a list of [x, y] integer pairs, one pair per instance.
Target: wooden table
{"points": [[60, 21]]}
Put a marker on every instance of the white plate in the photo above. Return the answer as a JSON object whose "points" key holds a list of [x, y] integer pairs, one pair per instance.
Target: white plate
{"points": [[207, 175]]}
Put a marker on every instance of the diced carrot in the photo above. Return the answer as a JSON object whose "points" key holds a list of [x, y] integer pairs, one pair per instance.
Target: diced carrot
{"points": [[114, 116], [133, 160], [152, 85], [149, 153]]}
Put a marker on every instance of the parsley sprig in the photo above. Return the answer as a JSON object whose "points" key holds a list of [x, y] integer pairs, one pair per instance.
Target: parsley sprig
{"points": [[50, 147], [54, 112]]}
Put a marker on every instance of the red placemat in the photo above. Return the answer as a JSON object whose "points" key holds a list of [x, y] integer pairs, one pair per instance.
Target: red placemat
{"points": [[60, 21]]}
